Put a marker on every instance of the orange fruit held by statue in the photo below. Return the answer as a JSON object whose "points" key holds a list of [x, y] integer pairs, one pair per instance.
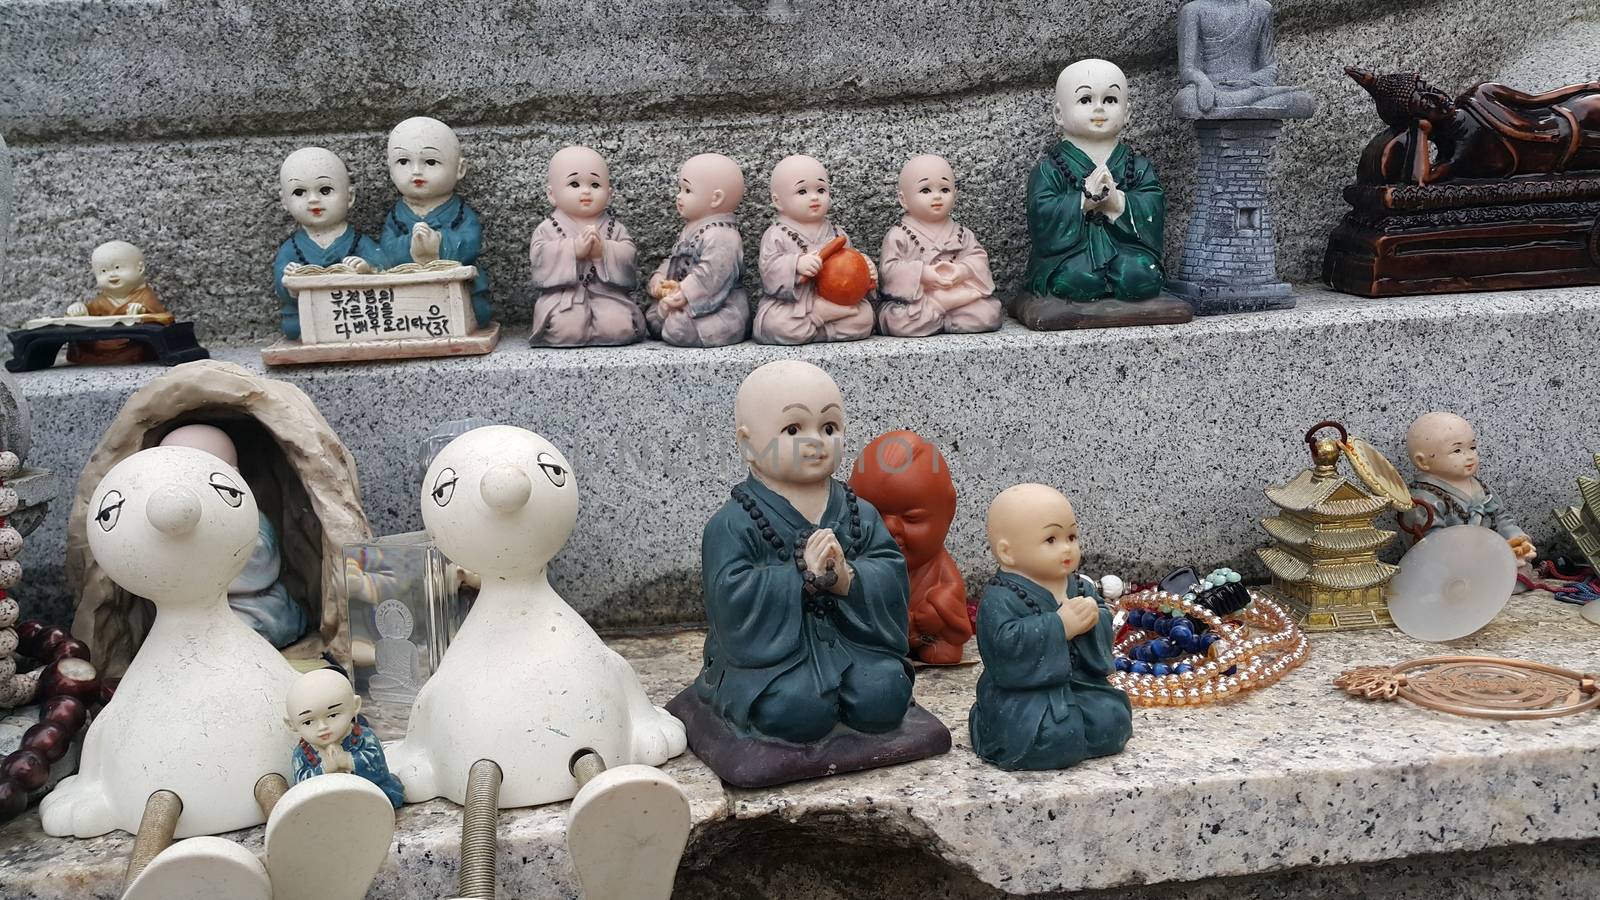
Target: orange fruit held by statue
{"points": [[844, 278]]}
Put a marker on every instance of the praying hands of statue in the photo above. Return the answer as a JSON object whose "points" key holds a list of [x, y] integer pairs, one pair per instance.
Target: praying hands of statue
{"points": [[944, 274], [590, 244], [1078, 616], [424, 243], [823, 554], [1523, 547], [1101, 194]]}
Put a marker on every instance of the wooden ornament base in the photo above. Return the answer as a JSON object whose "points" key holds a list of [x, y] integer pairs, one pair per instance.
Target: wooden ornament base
{"points": [[1467, 236], [293, 353]]}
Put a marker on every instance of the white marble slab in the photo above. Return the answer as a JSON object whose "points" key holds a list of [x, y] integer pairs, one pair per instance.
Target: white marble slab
{"points": [[1299, 775]]}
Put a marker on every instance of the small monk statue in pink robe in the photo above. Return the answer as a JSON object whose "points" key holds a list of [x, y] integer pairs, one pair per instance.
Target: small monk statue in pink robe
{"points": [[935, 273], [791, 311], [584, 262], [699, 289]]}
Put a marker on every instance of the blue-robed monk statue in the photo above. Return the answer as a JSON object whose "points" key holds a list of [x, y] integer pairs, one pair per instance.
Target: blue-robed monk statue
{"points": [[806, 593], [431, 221], [314, 187], [1044, 699]]}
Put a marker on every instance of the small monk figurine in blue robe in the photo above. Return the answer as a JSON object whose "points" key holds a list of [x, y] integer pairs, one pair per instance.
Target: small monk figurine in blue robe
{"points": [[805, 588], [1096, 213], [323, 709], [314, 187], [1447, 492], [431, 221], [1044, 700]]}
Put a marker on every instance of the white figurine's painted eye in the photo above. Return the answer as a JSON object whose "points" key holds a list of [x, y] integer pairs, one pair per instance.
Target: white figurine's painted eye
{"points": [[1111, 101], [325, 191], [402, 161], [226, 489], [552, 469], [299, 192], [444, 487], [1085, 100], [110, 510], [925, 190]]}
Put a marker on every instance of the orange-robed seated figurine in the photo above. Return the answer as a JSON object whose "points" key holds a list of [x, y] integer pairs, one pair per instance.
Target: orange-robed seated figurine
{"points": [[907, 479], [119, 273]]}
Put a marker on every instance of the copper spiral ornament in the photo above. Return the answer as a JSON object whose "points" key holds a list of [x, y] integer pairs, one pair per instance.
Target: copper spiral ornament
{"points": [[1485, 687]]}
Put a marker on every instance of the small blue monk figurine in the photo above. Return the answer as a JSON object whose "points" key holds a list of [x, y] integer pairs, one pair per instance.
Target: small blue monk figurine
{"points": [[431, 221], [257, 595], [314, 187], [1447, 492], [1044, 699], [323, 709], [805, 589]]}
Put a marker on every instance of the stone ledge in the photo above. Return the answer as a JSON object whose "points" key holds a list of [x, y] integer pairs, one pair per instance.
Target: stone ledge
{"points": [[1296, 775], [1164, 437]]}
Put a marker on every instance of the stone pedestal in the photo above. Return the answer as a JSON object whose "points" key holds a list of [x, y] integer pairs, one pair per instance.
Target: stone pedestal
{"points": [[1230, 253]]}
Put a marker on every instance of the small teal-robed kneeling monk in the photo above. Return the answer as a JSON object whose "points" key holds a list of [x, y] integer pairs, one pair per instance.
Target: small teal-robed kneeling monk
{"points": [[431, 221], [1044, 700], [314, 187], [805, 589], [1095, 208]]}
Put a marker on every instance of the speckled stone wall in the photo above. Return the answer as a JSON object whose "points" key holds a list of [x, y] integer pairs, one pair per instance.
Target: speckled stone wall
{"points": [[164, 123]]}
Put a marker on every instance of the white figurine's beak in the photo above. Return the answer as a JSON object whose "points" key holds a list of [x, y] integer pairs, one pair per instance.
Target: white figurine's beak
{"points": [[174, 510], [505, 488]]}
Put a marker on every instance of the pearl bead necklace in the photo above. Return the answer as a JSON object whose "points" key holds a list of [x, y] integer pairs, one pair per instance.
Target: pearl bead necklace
{"points": [[1232, 664]]}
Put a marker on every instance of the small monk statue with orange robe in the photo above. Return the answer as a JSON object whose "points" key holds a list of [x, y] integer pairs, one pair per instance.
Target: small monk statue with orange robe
{"points": [[907, 479], [119, 273]]}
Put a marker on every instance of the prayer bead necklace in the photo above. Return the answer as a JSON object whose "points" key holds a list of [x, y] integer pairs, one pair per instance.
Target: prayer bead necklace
{"points": [[1227, 661], [819, 599]]}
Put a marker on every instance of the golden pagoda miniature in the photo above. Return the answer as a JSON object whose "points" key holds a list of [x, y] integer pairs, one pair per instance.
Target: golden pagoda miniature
{"points": [[1582, 522], [1324, 558]]}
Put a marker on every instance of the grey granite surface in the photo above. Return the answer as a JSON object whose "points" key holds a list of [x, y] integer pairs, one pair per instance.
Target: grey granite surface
{"points": [[1164, 437], [185, 165], [1298, 775]]}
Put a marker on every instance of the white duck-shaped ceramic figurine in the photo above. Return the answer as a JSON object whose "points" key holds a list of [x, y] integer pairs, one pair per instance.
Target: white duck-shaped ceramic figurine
{"points": [[199, 711], [526, 682]]}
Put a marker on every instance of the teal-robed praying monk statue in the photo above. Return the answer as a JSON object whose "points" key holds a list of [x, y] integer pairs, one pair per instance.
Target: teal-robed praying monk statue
{"points": [[1096, 214], [805, 671], [793, 664], [431, 221], [1044, 700], [1080, 254]]}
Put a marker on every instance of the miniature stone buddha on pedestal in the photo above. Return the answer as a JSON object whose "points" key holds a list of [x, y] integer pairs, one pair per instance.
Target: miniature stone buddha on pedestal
{"points": [[1096, 211], [1228, 65], [805, 671]]}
